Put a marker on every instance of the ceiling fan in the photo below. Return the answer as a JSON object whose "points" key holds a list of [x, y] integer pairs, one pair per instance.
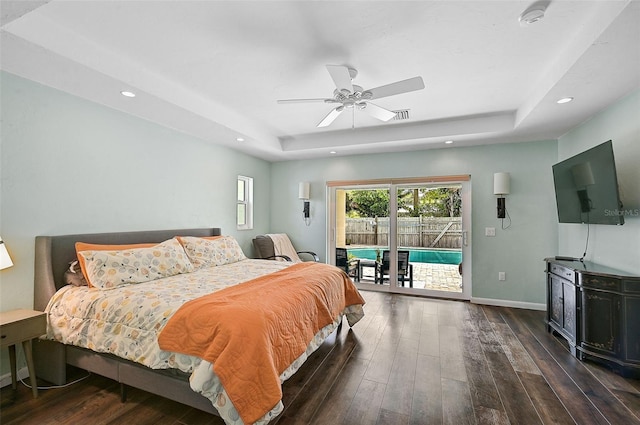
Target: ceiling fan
{"points": [[351, 96]]}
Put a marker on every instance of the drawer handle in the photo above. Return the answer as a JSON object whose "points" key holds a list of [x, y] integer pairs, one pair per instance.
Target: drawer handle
{"points": [[3, 336]]}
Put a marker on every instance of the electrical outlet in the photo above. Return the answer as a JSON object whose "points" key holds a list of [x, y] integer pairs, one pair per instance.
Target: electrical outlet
{"points": [[502, 276], [489, 231]]}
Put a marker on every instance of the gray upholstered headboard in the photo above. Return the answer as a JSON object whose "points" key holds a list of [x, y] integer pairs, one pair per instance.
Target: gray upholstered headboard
{"points": [[54, 253]]}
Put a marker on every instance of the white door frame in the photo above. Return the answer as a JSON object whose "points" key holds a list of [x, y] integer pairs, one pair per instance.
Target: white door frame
{"points": [[392, 185]]}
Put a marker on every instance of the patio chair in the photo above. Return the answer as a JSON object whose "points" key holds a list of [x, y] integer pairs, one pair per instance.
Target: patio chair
{"points": [[279, 247], [352, 268], [405, 269]]}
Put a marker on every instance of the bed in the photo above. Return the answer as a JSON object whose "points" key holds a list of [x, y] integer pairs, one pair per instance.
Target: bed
{"points": [[203, 372]]}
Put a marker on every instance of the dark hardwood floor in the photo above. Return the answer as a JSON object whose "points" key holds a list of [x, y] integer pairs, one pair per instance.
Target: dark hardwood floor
{"points": [[409, 361]]}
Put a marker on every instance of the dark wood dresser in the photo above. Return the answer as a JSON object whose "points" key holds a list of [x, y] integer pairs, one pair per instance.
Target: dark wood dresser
{"points": [[597, 310]]}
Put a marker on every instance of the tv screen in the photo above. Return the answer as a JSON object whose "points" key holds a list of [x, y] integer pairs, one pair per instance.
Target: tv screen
{"points": [[587, 187]]}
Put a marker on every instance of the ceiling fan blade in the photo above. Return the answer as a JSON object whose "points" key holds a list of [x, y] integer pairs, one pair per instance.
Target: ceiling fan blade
{"points": [[378, 112], [404, 86], [307, 100], [341, 77], [331, 116]]}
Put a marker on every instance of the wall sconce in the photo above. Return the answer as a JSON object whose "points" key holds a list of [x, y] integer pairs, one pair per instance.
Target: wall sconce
{"points": [[303, 193], [5, 259], [501, 187]]}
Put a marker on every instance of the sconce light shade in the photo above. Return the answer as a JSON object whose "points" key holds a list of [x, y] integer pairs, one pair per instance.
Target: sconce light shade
{"points": [[582, 175], [5, 259], [501, 184], [303, 193], [303, 190]]}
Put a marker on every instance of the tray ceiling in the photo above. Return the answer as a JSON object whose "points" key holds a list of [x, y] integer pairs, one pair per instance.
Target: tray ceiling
{"points": [[216, 69]]}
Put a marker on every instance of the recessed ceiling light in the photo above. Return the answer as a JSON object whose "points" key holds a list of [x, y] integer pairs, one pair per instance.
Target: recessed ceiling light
{"points": [[128, 93], [333, 152], [239, 139], [448, 142], [564, 100]]}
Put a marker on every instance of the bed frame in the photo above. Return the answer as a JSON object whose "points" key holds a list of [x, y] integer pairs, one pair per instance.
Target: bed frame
{"points": [[52, 257]]}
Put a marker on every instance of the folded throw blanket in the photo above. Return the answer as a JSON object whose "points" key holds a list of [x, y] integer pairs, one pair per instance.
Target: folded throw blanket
{"points": [[282, 246]]}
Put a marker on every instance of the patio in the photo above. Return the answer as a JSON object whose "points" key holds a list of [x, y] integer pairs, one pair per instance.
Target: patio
{"points": [[438, 277]]}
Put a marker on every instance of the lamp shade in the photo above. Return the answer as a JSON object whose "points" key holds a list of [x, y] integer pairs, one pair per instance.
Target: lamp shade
{"points": [[5, 259], [303, 190], [501, 183]]}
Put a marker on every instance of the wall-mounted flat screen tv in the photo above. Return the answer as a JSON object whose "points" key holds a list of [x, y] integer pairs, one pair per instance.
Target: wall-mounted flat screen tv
{"points": [[587, 187]]}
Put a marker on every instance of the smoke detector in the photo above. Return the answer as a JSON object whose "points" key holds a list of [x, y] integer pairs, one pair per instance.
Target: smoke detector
{"points": [[533, 14]]}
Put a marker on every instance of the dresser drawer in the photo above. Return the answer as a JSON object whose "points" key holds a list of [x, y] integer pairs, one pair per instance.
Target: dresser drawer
{"points": [[563, 272], [16, 331], [632, 286], [600, 282]]}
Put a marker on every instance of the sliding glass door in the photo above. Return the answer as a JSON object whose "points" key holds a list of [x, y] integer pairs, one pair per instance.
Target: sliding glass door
{"points": [[405, 236], [362, 216], [429, 234]]}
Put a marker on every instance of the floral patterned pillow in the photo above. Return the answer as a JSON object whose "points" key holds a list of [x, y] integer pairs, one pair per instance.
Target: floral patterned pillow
{"points": [[212, 252], [110, 269]]}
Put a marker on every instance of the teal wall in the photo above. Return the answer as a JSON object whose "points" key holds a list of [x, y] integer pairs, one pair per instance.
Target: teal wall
{"points": [[72, 166], [614, 246], [518, 251]]}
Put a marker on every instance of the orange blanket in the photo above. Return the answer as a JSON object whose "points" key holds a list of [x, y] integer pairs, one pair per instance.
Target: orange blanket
{"points": [[253, 331]]}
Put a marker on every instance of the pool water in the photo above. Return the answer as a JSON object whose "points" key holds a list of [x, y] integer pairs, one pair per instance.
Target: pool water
{"points": [[434, 256]]}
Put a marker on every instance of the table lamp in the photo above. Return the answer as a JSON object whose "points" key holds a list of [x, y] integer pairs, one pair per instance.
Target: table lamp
{"points": [[5, 258]]}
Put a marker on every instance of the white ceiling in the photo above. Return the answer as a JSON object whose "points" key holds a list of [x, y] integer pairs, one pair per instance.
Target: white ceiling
{"points": [[215, 69]]}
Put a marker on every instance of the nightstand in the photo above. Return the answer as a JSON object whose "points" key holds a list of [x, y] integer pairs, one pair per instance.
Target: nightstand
{"points": [[22, 326]]}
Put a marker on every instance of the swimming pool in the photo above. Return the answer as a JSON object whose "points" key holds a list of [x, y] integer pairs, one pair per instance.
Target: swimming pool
{"points": [[416, 255]]}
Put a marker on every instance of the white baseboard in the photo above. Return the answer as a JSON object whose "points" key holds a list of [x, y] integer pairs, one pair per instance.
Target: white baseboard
{"points": [[508, 303], [23, 373]]}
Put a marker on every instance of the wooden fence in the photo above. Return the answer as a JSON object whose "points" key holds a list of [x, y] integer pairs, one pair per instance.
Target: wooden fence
{"points": [[433, 232]]}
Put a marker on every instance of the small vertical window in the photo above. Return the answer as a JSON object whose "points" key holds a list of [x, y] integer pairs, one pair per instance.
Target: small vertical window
{"points": [[244, 209]]}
